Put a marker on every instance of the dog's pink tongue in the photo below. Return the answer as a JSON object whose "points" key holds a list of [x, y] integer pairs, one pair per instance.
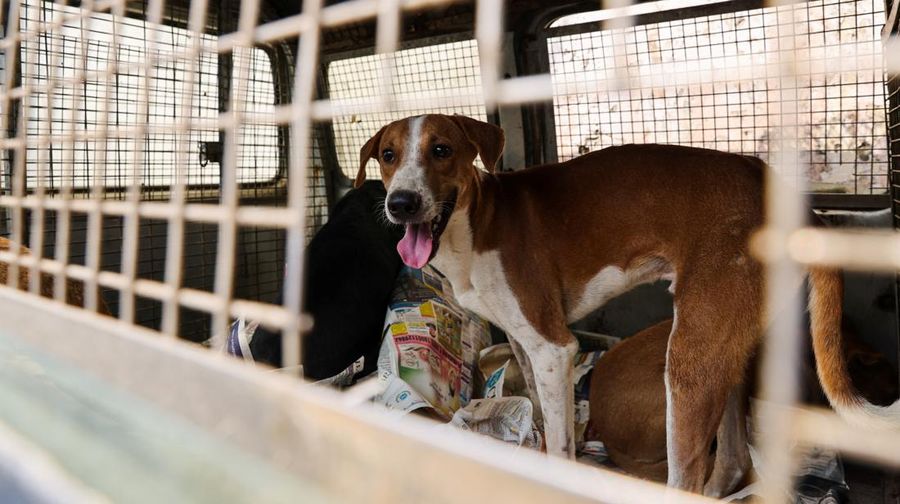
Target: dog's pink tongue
{"points": [[415, 247]]}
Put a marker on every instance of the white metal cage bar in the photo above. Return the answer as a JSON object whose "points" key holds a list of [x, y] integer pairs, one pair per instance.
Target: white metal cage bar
{"points": [[95, 215], [304, 88], [175, 243], [11, 57], [784, 214]]}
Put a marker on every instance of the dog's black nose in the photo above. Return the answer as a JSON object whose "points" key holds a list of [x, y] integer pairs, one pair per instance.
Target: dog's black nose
{"points": [[404, 204]]}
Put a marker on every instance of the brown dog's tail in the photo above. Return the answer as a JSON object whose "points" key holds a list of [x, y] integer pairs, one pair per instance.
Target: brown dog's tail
{"points": [[825, 310]]}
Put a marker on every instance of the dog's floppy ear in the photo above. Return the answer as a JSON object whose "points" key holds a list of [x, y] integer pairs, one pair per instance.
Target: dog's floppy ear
{"points": [[367, 152], [487, 138]]}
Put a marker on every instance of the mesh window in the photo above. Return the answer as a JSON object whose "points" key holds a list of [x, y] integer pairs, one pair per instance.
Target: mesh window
{"points": [[56, 56], [842, 133], [437, 69], [71, 153], [316, 190]]}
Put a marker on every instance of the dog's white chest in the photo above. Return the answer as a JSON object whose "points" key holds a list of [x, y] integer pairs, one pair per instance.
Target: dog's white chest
{"points": [[470, 300], [491, 295], [457, 261], [465, 291], [480, 285]]}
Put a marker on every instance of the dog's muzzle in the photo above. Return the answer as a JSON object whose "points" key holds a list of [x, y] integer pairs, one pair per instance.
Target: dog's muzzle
{"points": [[420, 242], [404, 206]]}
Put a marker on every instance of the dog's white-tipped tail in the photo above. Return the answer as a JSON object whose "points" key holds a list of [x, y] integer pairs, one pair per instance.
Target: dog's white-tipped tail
{"points": [[825, 310]]}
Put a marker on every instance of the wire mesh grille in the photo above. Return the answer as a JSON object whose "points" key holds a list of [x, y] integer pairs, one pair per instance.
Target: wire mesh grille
{"points": [[81, 123], [317, 190], [842, 135], [54, 56], [443, 67], [892, 106]]}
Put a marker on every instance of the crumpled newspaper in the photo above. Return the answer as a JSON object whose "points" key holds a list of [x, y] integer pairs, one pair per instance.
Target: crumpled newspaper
{"points": [[594, 453], [430, 346], [584, 363], [819, 463], [428, 356], [345, 377], [496, 356], [241, 333], [239, 337], [493, 385], [505, 418]]}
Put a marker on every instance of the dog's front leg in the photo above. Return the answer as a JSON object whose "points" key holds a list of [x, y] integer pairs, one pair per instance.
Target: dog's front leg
{"points": [[553, 378], [528, 375]]}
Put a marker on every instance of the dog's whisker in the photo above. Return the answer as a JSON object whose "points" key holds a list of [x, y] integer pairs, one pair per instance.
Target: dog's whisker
{"points": [[381, 218], [380, 215]]}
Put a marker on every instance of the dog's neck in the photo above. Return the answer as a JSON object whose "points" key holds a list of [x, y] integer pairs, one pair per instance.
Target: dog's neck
{"points": [[454, 257], [457, 249]]}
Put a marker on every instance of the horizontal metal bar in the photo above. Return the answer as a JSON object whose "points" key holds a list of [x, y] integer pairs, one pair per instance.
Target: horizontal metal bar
{"points": [[113, 280], [274, 217], [282, 29], [267, 314], [270, 32], [633, 10], [824, 428], [868, 250], [200, 300], [153, 289], [260, 216], [331, 17], [351, 453], [845, 57], [136, 451], [528, 89]]}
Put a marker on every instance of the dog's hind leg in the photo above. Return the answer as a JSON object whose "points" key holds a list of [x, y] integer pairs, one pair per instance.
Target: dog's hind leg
{"points": [[695, 401], [709, 349], [732, 454], [528, 375]]}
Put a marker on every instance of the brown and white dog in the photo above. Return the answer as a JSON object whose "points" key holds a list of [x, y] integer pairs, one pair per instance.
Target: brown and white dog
{"points": [[536, 249]]}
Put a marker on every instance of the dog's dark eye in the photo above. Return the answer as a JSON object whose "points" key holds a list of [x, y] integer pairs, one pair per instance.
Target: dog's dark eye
{"points": [[441, 151], [387, 156]]}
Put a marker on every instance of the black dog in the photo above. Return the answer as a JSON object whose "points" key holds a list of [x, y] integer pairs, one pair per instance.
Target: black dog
{"points": [[352, 263]]}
